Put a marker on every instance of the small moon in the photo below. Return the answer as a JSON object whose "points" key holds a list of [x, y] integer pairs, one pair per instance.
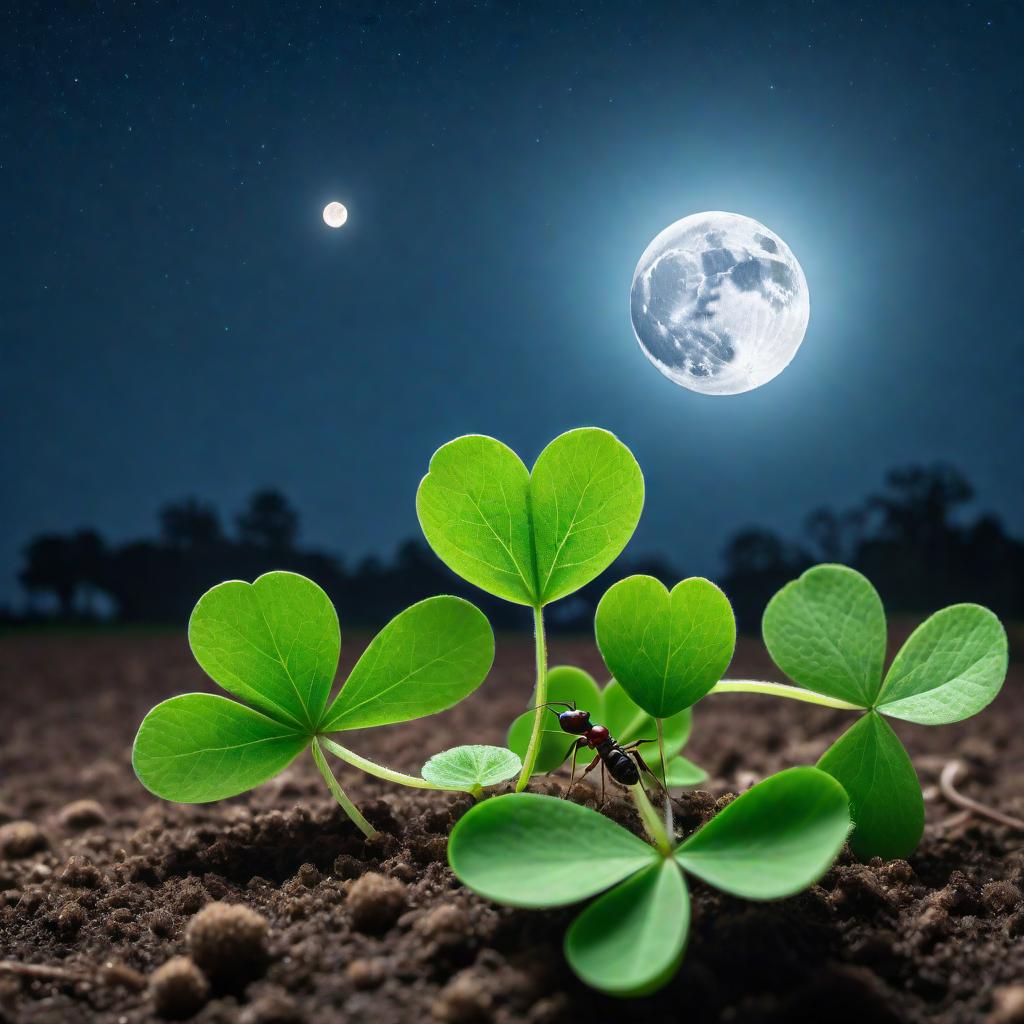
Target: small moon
{"points": [[719, 303], [335, 215]]}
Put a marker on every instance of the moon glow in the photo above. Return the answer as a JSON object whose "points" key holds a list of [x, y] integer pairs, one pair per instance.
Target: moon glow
{"points": [[719, 303], [335, 215]]}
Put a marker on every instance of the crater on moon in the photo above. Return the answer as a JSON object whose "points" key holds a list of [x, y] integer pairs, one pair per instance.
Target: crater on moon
{"points": [[719, 303]]}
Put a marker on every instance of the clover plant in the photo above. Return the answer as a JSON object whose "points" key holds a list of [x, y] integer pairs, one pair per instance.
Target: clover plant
{"points": [[827, 632], [528, 850], [531, 537], [613, 708], [274, 644]]}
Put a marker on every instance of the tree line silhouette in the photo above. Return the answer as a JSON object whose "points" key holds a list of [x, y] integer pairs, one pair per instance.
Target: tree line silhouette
{"points": [[911, 539]]}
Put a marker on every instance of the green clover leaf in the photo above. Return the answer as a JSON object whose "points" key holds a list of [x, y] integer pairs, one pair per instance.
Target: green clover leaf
{"points": [[667, 650], [531, 538], [200, 747], [826, 631], [471, 767], [273, 643], [876, 771], [527, 850]]}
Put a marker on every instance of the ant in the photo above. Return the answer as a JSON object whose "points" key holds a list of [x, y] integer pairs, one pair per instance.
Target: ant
{"points": [[623, 763]]}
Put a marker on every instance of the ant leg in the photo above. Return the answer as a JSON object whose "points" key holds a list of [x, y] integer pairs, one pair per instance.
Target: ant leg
{"points": [[572, 773], [590, 767], [638, 757]]}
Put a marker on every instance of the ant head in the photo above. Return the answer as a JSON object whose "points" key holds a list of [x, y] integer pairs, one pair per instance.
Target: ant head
{"points": [[575, 722]]}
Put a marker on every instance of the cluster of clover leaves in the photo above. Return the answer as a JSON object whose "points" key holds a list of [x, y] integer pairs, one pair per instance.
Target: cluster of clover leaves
{"points": [[533, 537]]}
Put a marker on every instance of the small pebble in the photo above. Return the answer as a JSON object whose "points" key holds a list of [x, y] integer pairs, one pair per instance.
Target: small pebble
{"points": [[81, 873], [21, 839], [178, 988], [190, 896], [71, 918], [375, 902], [1007, 1005], [161, 923], [227, 939], [272, 1008], [366, 974], [309, 876], [1000, 897], [115, 974], [82, 814], [463, 1000], [445, 925]]}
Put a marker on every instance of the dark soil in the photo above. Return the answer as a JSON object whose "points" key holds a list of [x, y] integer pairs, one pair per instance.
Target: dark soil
{"points": [[98, 895]]}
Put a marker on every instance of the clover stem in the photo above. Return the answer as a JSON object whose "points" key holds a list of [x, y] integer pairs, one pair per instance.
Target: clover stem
{"points": [[541, 695], [339, 794], [783, 690], [669, 824], [651, 819], [379, 770]]}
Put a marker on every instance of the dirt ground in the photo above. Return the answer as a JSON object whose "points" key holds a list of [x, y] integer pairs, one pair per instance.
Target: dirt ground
{"points": [[95, 897]]}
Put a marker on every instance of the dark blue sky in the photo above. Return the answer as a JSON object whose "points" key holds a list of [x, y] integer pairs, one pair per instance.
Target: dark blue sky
{"points": [[175, 319]]}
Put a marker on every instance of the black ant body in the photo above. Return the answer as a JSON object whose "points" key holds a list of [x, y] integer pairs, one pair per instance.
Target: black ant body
{"points": [[623, 763]]}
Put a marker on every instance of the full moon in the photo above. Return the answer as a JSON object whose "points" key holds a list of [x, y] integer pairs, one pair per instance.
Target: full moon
{"points": [[335, 215], [719, 303]]}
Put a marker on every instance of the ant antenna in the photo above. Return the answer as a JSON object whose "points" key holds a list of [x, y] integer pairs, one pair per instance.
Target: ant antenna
{"points": [[552, 704]]}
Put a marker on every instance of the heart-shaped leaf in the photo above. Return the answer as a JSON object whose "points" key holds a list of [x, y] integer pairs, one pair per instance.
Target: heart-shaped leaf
{"points": [[776, 839], [474, 508], [274, 643], [528, 850], [471, 767], [667, 650], [631, 940], [951, 667], [885, 795], [826, 631], [200, 747], [586, 496], [531, 538], [426, 659]]}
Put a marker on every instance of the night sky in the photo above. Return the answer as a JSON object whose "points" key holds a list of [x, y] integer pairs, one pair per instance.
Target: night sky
{"points": [[175, 318]]}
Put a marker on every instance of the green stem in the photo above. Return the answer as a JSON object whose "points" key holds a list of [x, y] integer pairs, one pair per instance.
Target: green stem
{"points": [[783, 690], [339, 794], [541, 695], [378, 770], [651, 819], [669, 824]]}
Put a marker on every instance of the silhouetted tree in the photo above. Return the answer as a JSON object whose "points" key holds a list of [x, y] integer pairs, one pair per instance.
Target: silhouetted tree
{"points": [[908, 539], [824, 529], [918, 507], [190, 524], [269, 522], [65, 566]]}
